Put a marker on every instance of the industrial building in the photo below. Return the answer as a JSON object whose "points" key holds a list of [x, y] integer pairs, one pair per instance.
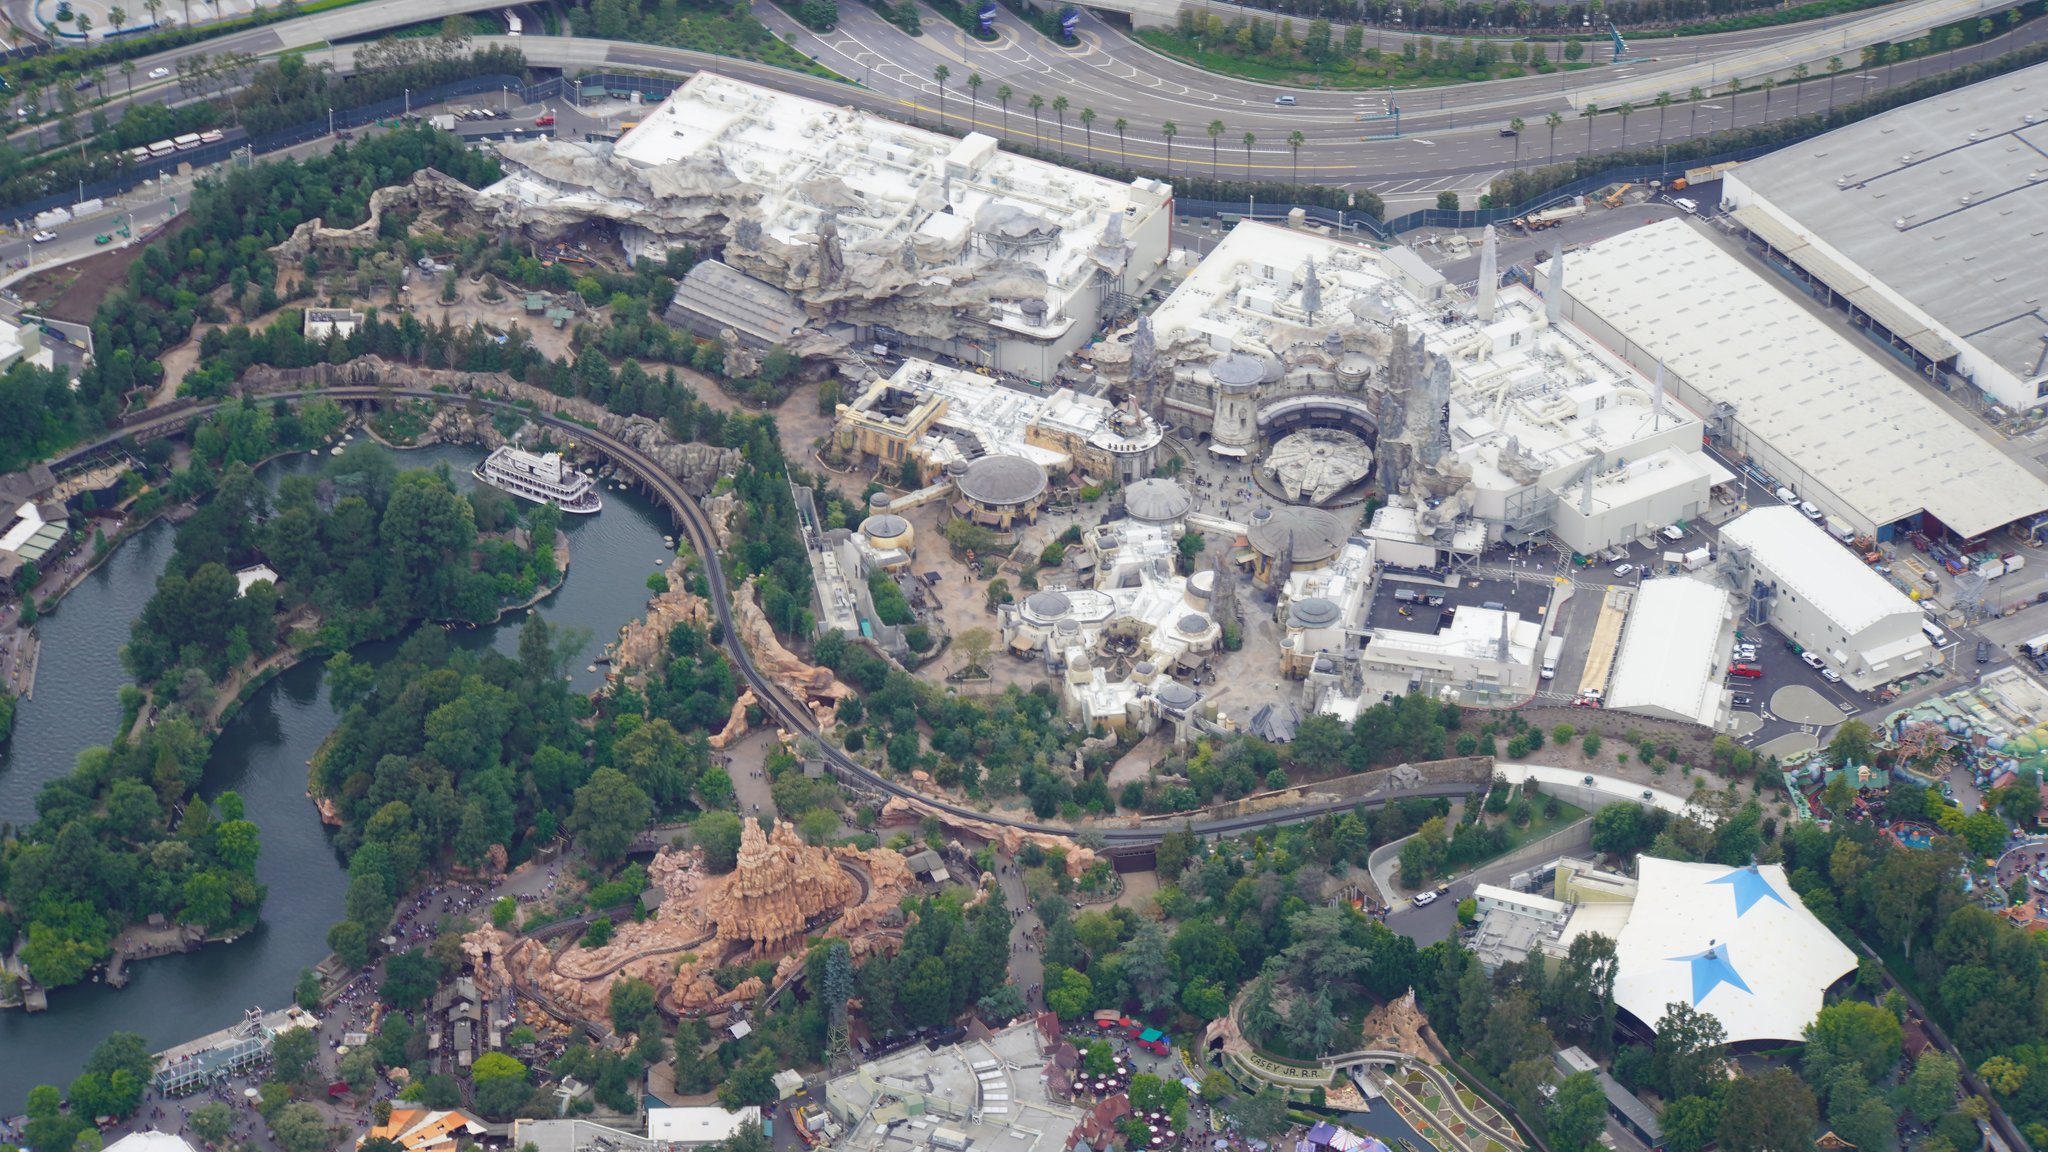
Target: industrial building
{"points": [[694, 1127], [990, 1094], [1674, 646], [867, 230], [1926, 223], [1514, 925], [1488, 651], [951, 421], [1809, 409], [1819, 595], [1339, 366]]}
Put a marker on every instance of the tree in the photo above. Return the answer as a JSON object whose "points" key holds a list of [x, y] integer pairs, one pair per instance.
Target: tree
{"points": [[1260, 1115], [1689, 1122], [1067, 992], [1216, 130], [1088, 127], [1577, 1114], [1516, 125], [1003, 94], [1122, 125], [718, 834], [1552, 121], [1249, 140], [1851, 1032], [1587, 113], [1148, 967], [752, 1082], [1169, 130], [1688, 1057], [212, 1121], [293, 1054], [1259, 1015], [1002, 1004], [1851, 744], [1059, 109], [610, 812], [942, 74], [409, 978], [301, 1128], [1447, 201], [1931, 1089], [1037, 105], [1295, 140], [1626, 110], [1773, 1112], [974, 83], [1768, 85], [632, 1002], [974, 644]]}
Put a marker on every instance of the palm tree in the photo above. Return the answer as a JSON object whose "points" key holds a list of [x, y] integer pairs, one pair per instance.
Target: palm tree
{"points": [[1834, 69], [128, 72], [1767, 85], [1695, 95], [118, 16], [1984, 29], [1003, 94], [1799, 74], [1123, 160], [155, 9], [1587, 113], [941, 73], [1037, 103], [1626, 109], [188, 13], [1215, 134], [1955, 41], [1088, 126], [1294, 142], [1249, 140], [1734, 91], [974, 83], [1515, 125], [1551, 122], [1169, 130], [1059, 108], [1663, 103], [1892, 53]]}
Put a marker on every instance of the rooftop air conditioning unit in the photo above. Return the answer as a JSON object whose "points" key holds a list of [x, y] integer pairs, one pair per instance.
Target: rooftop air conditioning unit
{"points": [[1900, 223]]}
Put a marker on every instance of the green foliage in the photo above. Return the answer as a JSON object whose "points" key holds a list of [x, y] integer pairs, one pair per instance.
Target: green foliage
{"points": [[890, 605]]}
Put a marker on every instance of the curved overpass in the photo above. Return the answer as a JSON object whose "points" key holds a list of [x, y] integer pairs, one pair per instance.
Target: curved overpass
{"points": [[787, 711]]}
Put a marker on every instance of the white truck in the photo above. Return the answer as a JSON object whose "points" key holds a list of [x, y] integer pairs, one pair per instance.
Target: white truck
{"points": [[1552, 649]]}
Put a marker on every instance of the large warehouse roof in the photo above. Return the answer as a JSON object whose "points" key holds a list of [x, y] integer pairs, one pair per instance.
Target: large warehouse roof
{"points": [[1852, 424], [1669, 662], [1941, 203], [1734, 942], [1802, 559]]}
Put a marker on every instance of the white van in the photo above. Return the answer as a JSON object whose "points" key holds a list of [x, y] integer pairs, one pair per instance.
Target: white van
{"points": [[1935, 634], [1810, 510], [1787, 496]]}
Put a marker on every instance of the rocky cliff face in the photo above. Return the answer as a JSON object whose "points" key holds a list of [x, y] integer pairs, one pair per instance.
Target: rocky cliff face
{"points": [[779, 886], [427, 190], [698, 466]]}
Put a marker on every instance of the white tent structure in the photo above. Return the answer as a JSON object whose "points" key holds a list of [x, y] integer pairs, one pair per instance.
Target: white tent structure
{"points": [[1670, 660], [1733, 942]]}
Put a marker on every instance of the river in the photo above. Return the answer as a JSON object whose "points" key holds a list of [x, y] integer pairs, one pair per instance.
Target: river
{"points": [[262, 755]]}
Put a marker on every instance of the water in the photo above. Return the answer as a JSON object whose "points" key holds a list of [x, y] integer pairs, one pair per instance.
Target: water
{"points": [[262, 755]]}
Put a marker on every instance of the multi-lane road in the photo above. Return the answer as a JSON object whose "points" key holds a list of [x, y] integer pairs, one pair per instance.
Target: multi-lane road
{"points": [[1450, 137]]}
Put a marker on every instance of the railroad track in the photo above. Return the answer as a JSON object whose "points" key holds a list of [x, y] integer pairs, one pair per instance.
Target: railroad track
{"points": [[788, 712]]}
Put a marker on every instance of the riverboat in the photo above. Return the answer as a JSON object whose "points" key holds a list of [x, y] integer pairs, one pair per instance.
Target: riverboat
{"points": [[542, 477]]}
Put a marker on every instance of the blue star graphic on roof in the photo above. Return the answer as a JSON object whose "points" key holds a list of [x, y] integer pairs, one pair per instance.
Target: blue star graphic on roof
{"points": [[1750, 887], [1711, 969]]}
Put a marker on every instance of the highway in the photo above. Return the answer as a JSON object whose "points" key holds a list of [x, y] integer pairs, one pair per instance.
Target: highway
{"points": [[787, 712], [1451, 137]]}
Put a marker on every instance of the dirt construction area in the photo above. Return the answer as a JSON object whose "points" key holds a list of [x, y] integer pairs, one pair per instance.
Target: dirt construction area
{"points": [[73, 292]]}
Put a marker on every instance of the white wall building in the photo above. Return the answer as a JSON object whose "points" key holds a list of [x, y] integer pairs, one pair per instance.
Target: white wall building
{"points": [[1808, 406], [1485, 649], [1673, 651], [1926, 222], [697, 1126], [876, 229], [1820, 595]]}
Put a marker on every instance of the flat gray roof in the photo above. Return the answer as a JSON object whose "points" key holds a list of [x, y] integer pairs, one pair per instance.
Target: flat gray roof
{"points": [[1944, 202]]}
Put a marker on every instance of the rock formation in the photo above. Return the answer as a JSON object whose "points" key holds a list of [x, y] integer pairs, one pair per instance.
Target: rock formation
{"points": [[643, 641], [815, 686], [427, 190], [780, 890], [910, 810], [698, 466]]}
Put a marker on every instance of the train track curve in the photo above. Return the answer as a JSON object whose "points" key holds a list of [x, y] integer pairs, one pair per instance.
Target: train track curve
{"points": [[786, 710]]}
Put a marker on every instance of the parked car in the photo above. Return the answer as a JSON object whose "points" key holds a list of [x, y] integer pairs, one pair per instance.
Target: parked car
{"points": [[1747, 671], [1830, 675], [1741, 700], [1673, 532], [1984, 651], [1424, 899], [1812, 661], [159, 72], [43, 237], [1689, 207], [1624, 570]]}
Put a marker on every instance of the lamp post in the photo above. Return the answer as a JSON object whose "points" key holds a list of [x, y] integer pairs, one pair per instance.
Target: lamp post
{"points": [[330, 121], [408, 101]]}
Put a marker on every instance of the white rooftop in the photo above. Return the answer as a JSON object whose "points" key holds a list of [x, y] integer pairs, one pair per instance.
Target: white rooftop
{"points": [[882, 181], [1670, 653], [1819, 399], [1733, 942], [150, 1140], [1555, 393], [1001, 418], [1805, 561], [1473, 634], [698, 1125]]}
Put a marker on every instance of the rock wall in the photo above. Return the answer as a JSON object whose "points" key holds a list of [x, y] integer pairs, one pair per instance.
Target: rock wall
{"points": [[643, 642], [814, 686], [428, 189]]}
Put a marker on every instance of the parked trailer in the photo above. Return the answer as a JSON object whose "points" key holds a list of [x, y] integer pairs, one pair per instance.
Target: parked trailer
{"points": [[2036, 647], [187, 142], [1552, 217], [1710, 172], [512, 23]]}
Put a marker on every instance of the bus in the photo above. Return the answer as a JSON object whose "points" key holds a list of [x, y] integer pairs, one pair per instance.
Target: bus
{"points": [[512, 24], [161, 149], [139, 155], [2037, 647], [212, 136], [185, 143]]}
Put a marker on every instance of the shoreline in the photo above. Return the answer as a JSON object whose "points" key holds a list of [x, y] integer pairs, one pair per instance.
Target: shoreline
{"points": [[114, 971]]}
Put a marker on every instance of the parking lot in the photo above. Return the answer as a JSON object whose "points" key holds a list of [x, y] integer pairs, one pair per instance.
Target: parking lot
{"points": [[1528, 596]]}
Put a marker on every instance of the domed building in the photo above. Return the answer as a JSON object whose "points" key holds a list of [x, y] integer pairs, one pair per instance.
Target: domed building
{"points": [[1000, 492], [1158, 501], [1309, 538]]}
